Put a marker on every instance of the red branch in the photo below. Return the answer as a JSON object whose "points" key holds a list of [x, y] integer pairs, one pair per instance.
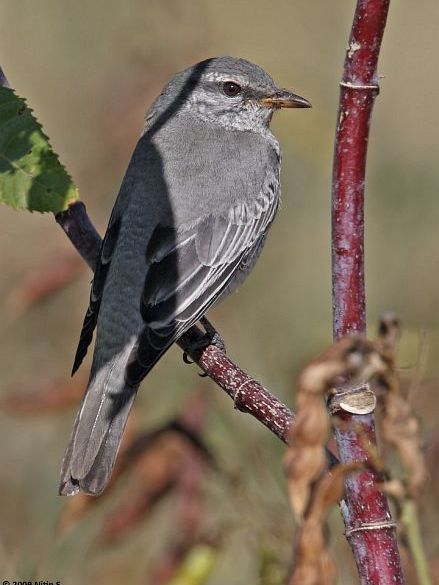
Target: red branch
{"points": [[248, 395], [365, 509], [81, 232]]}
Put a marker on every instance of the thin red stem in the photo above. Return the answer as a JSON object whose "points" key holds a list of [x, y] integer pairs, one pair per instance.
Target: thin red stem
{"points": [[365, 508], [248, 395], [82, 233]]}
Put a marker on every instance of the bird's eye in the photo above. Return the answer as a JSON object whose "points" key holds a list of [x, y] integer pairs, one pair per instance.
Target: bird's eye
{"points": [[231, 89]]}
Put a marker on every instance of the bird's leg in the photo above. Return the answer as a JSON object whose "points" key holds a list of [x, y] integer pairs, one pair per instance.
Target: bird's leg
{"points": [[212, 334], [211, 337]]}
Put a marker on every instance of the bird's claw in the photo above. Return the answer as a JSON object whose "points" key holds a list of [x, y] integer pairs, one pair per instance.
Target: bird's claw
{"points": [[186, 358], [212, 334], [211, 337]]}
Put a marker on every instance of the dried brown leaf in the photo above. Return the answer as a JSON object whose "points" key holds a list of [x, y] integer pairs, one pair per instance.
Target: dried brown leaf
{"points": [[389, 333], [329, 491], [400, 429], [303, 467], [313, 562], [311, 426], [394, 488]]}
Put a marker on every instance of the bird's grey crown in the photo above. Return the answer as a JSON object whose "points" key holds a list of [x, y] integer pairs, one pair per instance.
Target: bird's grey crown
{"points": [[198, 91], [241, 67]]}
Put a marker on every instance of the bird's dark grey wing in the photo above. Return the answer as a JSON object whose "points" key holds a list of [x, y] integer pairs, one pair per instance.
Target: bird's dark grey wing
{"points": [[189, 267], [97, 287]]}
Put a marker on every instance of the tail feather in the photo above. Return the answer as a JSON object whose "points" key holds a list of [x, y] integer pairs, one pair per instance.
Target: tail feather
{"points": [[99, 425], [69, 486], [90, 457], [98, 428], [100, 472], [103, 408]]}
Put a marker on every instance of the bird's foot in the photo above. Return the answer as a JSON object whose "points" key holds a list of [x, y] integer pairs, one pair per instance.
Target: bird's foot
{"points": [[211, 337], [212, 334]]}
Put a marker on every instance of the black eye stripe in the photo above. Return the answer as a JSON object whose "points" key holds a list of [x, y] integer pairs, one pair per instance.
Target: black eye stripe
{"points": [[231, 88]]}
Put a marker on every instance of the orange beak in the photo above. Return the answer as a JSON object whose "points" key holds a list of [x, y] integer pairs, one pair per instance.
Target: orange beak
{"points": [[284, 99]]}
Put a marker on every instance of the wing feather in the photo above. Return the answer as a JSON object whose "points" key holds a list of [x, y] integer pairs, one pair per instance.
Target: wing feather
{"points": [[97, 287], [189, 268]]}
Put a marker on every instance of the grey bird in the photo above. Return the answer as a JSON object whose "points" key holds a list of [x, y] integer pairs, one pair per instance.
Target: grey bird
{"points": [[197, 200]]}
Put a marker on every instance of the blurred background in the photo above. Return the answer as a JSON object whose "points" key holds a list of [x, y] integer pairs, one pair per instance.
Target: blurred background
{"points": [[90, 70]]}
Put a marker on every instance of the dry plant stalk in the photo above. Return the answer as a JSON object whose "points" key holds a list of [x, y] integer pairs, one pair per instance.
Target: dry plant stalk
{"points": [[314, 564], [399, 425], [354, 358], [311, 492], [400, 429]]}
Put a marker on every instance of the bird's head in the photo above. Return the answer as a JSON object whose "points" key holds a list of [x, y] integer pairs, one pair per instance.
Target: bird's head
{"points": [[229, 92]]}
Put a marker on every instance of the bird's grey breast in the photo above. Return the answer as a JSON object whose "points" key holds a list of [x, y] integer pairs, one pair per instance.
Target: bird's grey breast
{"points": [[209, 169], [225, 183]]}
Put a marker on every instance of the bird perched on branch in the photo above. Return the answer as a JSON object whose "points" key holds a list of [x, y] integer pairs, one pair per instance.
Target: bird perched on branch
{"points": [[190, 220]]}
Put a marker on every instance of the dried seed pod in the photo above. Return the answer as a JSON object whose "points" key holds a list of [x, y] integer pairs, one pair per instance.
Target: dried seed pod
{"points": [[399, 426]]}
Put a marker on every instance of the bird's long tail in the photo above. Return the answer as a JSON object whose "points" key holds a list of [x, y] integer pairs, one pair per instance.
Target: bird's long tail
{"points": [[97, 432], [99, 425]]}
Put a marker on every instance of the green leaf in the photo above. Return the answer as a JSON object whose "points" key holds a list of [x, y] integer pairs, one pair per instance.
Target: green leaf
{"points": [[31, 176]]}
